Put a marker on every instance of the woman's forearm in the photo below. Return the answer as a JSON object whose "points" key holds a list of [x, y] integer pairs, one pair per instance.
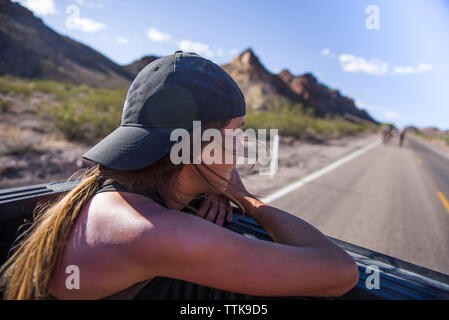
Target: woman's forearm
{"points": [[288, 229], [281, 226], [284, 227]]}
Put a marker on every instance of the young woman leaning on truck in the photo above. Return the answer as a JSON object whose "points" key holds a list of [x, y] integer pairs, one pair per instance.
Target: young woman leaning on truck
{"points": [[138, 232]]}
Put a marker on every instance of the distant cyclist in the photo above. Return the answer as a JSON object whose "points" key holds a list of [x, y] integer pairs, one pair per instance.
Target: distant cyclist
{"points": [[402, 137], [387, 133]]}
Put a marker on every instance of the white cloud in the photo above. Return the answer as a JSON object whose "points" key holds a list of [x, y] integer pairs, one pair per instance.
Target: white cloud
{"points": [[351, 63], [381, 111], [122, 40], [420, 68], [99, 4], [392, 115], [377, 67], [39, 7], [325, 52], [157, 36], [87, 25], [74, 21], [233, 51], [185, 45], [197, 47], [369, 107]]}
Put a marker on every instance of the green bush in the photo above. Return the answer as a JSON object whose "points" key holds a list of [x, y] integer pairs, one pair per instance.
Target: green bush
{"points": [[4, 106], [11, 85], [292, 120], [85, 113], [79, 112]]}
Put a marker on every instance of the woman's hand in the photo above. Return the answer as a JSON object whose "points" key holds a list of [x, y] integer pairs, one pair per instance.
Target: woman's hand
{"points": [[236, 187], [215, 208], [238, 191]]}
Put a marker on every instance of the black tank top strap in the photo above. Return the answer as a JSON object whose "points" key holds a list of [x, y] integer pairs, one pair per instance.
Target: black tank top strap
{"points": [[111, 185]]}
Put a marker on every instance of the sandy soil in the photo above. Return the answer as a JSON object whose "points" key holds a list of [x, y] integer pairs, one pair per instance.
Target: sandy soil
{"points": [[31, 152], [56, 164], [50, 159]]}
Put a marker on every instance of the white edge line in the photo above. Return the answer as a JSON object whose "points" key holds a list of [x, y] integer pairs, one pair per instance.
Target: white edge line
{"points": [[319, 173]]}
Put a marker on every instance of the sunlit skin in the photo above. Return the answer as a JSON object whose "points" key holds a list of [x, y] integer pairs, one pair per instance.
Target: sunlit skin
{"points": [[121, 238], [188, 183]]}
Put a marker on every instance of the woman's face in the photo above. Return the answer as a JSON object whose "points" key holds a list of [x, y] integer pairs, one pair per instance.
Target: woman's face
{"points": [[222, 164], [231, 143]]}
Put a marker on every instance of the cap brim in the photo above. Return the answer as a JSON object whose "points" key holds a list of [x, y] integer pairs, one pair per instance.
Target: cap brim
{"points": [[131, 148]]}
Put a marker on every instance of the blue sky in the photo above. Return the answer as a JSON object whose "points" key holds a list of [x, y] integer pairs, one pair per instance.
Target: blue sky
{"points": [[398, 71]]}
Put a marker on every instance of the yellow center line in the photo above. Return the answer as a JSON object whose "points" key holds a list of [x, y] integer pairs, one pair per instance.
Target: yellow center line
{"points": [[419, 160], [444, 201]]}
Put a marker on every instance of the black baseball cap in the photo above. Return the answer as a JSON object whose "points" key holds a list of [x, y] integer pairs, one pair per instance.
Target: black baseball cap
{"points": [[169, 93]]}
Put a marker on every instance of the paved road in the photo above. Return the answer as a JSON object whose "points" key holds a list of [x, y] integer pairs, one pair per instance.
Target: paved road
{"points": [[387, 199]]}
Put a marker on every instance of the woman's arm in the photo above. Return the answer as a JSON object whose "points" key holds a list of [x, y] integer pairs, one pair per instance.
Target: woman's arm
{"points": [[189, 248], [280, 225], [288, 229]]}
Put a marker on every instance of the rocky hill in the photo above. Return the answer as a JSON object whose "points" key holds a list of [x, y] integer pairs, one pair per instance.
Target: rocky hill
{"points": [[259, 86], [262, 88], [28, 48], [321, 97], [134, 68]]}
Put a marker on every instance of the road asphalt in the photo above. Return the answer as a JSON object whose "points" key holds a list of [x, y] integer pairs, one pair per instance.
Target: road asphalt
{"points": [[389, 199]]}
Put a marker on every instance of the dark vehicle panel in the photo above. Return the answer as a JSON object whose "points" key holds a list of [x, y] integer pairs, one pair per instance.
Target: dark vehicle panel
{"points": [[398, 279]]}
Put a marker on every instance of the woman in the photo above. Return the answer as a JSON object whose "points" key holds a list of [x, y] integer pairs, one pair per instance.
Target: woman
{"points": [[139, 232]]}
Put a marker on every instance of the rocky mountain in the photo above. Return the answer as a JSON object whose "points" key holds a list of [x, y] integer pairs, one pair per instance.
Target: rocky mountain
{"points": [[262, 89], [321, 97], [134, 68], [433, 131], [28, 48]]}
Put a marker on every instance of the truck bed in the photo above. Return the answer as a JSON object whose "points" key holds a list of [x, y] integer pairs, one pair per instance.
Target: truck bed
{"points": [[399, 279]]}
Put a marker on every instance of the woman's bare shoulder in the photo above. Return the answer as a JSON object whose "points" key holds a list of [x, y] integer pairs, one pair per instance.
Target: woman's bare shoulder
{"points": [[120, 217], [102, 244]]}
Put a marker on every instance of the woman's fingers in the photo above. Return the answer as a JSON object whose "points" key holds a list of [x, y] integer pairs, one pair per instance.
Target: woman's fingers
{"points": [[222, 211], [212, 213], [228, 211], [204, 207], [215, 208]]}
